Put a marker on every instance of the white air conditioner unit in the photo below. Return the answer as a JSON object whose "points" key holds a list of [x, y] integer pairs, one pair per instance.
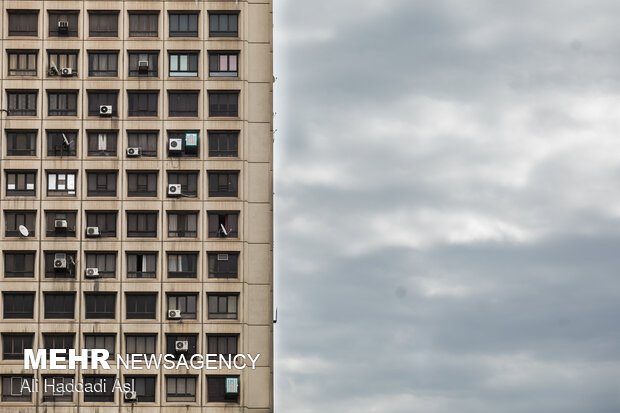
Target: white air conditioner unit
{"points": [[232, 386], [174, 314], [131, 396], [63, 26], [181, 345], [60, 223], [92, 231], [175, 145], [143, 66], [222, 257], [105, 110], [133, 151], [60, 261], [174, 189], [67, 71], [92, 272]]}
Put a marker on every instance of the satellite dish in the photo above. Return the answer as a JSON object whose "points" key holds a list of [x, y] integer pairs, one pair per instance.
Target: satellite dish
{"points": [[224, 230], [24, 231], [64, 138]]}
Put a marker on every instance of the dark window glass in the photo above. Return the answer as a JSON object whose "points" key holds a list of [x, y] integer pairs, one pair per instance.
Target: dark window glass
{"points": [[57, 388], [143, 24], [182, 224], [223, 306], [98, 98], [102, 143], [61, 143], [18, 305], [140, 343], [22, 62], [100, 305], [223, 224], [171, 341], [105, 262], [142, 224], [223, 64], [60, 264], [22, 102], [141, 264], [105, 221], [141, 306], [13, 345], [101, 183], [144, 386], [223, 143], [225, 344], [223, 24], [15, 388], [62, 103], [61, 183], [19, 264], [223, 103], [223, 264], [62, 59], [146, 141], [143, 103], [180, 388], [23, 22], [60, 223], [183, 102], [186, 303], [216, 390], [14, 219], [105, 382], [20, 183], [103, 64], [106, 341], [149, 64], [223, 183], [143, 183], [58, 342], [63, 23], [183, 64], [59, 305], [182, 264], [187, 180], [183, 24], [21, 142], [103, 23]]}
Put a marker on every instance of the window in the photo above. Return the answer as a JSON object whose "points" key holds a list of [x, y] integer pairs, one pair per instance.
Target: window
{"points": [[223, 306], [61, 143], [23, 22], [56, 388], [22, 102], [187, 180], [142, 183], [141, 264], [103, 23], [183, 103], [223, 64], [182, 264], [18, 305], [22, 62], [216, 390], [223, 24], [145, 140], [223, 224], [103, 64], [185, 143], [225, 344], [184, 64], [183, 24], [105, 221], [97, 98], [105, 262], [143, 24], [60, 264], [171, 340], [14, 219], [13, 345], [63, 23], [95, 394], [186, 303], [140, 344], [144, 386], [224, 103], [142, 224], [60, 223], [223, 183], [58, 342], [101, 183], [183, 224], [62, 59], [142, 103], [20, 183], [16, 388], [59, 305], [100, 305], [21, 142], [180, 388], [151, 59], [106, 341], [223, 264], [61, 183], [223, 144], [141, 306], [102, 143], [19, 264], [62, 103]]}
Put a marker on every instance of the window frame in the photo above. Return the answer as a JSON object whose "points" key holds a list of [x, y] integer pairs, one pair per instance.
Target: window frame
{"points": [[214, 25], [187, 32], [62, 102], [56, 145], [182, 220], [133, 337], [144, 138], [134, 57], [132, 303], [29, 175], [56, 176], [96, 187], [99, 397], [217, 190], [58, 341], [136, 99], [15, 56], [26, 272], [25, 102], [222, 315], [178, 397], [15, 341], [12, 398], [70, 58], [104, 219], [223, 109], [175, 63], [136, 216], [65, 273], [146, 257], [145, 179], [182, 97], [98, 97], [25, 217], [144, 31], [111, 141], [108, 258], [188, 188], [218, 138], [72, 17], [100, 305], [30, 142], [213, 270], [25, 300], [176, 259], [58, 314], [52, 215], [49, 393], [145, 391], [183, 302], [230, 221], [215, 63], [92, 14], [23, 33], [94, 56]]}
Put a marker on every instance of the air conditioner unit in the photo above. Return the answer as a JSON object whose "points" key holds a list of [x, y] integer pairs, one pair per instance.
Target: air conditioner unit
{"points": [[105, 110], [60, 223], [175, 145], [174, 189], [92, 231], [181, 345], [191, 139], [143, 66], [174, 314], [232, 386], [67, 71], [60, 261], [131, 396], [133, 151], [92, 272], [222, 257], [63, 26]]}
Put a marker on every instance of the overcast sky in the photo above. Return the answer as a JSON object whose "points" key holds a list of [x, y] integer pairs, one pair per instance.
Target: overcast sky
{"points": [[447, 188]]}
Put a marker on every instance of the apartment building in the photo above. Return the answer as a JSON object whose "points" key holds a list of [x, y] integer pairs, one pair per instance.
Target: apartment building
{"points": [[136, 184]]}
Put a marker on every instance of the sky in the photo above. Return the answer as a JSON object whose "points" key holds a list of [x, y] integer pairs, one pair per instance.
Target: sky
{"points": [[447, 206]]}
